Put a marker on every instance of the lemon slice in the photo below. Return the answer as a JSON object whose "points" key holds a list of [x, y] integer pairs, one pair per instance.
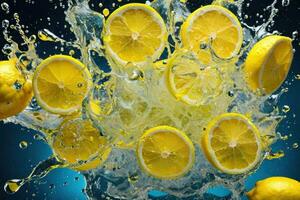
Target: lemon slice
{"points": [[212, 27], [134, 33], [189, 81], [232, 143], [268, 63], [60, 84], [165, 152], [80, 144]]}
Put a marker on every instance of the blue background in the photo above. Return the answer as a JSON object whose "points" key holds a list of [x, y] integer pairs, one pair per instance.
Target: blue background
{"points": [[18, 163]]}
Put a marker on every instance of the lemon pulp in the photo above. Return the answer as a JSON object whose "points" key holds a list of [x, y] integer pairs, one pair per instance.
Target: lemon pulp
{"points": [[79, 141], [60, 84], [165, 152], [232, 143], [134, 33], [212, 27]]}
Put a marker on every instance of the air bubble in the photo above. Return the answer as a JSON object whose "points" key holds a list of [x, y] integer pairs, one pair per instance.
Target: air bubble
{"points": [[295, 145], [285, 3], [23, 144], [286, 108], [5, 7]]}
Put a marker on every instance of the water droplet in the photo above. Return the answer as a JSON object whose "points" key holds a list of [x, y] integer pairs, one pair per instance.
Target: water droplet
{"points": [[12, 186], [5, 7], [23, 144], [286, 108], [295, 145], [276, 155], [105, 12], [285, 3]]}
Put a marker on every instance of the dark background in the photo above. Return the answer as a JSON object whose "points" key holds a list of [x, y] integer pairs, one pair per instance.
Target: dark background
{"points": [[67, 184]]}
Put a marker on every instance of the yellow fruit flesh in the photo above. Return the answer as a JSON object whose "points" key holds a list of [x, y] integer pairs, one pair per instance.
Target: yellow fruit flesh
{"points": [[215, 26], [135, 32], [188, 82], [78, 140], [268, 63], [61, 83], [232, 143], [13, 100], [164, 153]]}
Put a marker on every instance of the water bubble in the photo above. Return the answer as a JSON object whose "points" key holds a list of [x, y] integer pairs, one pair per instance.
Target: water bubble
{"points": [[136, 74], [133, 178], [246, 16], [297, 77], [12, 186], [295, 35], [230, 93], [100, 5], [203, 45], [79, 85], [105, 12], [5, 7], [286, 108], [285, 3], [23, 144], [295, 145], [5, 24], [17, 85], [51, 186], [276, 155]]}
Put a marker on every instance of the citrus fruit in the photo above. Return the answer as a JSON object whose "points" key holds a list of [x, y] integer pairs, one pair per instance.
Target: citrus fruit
{"points": [[79, 141], [134, 33], [15, 89], [165, 152], [190, 82], [60, 84], [268, 63], [212, 27], [232, 143], [275, 188]]}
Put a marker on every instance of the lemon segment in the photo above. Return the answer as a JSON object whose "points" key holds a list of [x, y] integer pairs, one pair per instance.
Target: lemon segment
{"points": [[275, 188], [79, 141], [212, 27], [190, 82], [165, 152], [268, 63], [15, 90], [232, 143], [60, 84], [134, 33]]}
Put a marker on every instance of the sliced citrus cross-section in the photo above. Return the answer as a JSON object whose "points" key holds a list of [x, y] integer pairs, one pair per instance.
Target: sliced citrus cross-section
{"points": [[165, 152], [60, 84], [134, 33], [232, 143], [268, 63], [191, 82], [80, 144], [212, 27]]}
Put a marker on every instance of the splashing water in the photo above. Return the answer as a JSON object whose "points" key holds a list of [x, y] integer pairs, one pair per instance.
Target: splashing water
{"points": [[133, 100]]}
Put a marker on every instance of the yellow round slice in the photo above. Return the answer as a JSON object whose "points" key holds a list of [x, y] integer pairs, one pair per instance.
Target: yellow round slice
{"points": [[165, 152], [80, 144], [232, 143], [190, 82], [60, 84], [268, 63], [134, 33], [212, 27]]}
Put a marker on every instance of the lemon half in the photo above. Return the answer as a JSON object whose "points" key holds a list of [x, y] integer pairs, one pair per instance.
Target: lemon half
{"points": [[213, 26], [232, 143], [189, 81], [165, 152], [268, 63], [79, 141], [134, 33], [60, 84]]}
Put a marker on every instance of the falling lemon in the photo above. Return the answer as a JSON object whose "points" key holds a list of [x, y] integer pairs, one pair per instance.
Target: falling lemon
{"points": [[189, 81], [80, 144], [232, 143], [268, 63], [212, 27], [15, 89], [165, 152], [134, 33], [60, 84], [275, 188]]}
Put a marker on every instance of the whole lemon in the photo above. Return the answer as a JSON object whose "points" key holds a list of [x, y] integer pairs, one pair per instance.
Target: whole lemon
{"points": [[15, 90], [275, 188]]}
